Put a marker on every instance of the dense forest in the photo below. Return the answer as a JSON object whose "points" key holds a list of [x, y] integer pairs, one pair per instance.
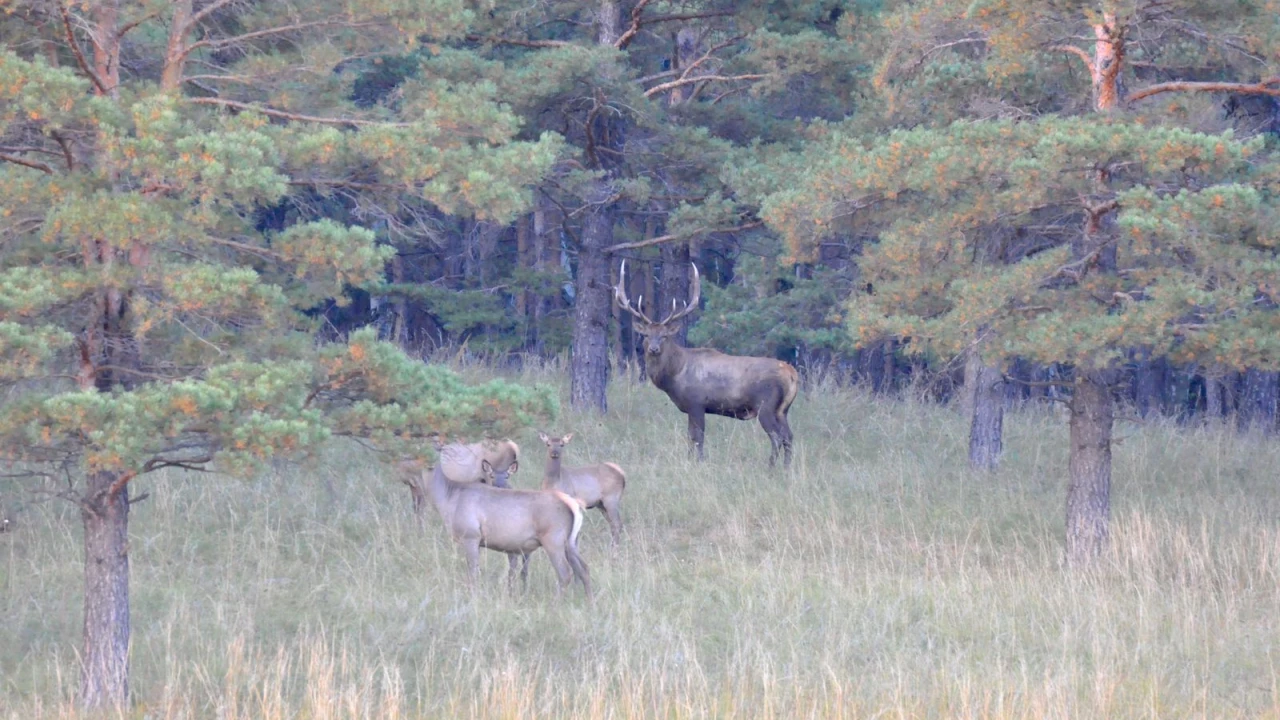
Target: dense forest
{"points": [[234, 229]]}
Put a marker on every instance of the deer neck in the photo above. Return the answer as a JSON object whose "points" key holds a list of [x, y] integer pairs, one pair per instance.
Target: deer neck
{"points": [[552, 474], [670, 362], [438, 490]]}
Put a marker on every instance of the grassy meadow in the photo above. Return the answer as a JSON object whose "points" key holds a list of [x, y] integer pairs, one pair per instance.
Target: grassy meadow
{"points": [[876, 578]]}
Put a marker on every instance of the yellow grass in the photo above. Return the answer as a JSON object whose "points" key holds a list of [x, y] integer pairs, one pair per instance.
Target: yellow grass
{"points": [[877, 578]]}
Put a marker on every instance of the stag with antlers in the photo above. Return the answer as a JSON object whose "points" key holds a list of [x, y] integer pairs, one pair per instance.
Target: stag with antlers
{"points": [[701, 381]]}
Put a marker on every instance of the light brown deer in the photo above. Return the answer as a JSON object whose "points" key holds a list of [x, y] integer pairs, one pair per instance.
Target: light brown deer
{"points": [[595, 486], [465, 463], [515, 522]]}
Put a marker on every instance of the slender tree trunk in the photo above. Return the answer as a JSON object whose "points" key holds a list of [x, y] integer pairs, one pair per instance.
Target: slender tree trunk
{"points": [[647, 294], [1089, 492], [676, 277], [621, 356], [1150, 386], [524, 261], [1108, 61], [986, 419], [104, 674], [688, 48], [176, 51], [1213, 405], [1258, 400], [541, 258], [589, 361], [400, 306]]}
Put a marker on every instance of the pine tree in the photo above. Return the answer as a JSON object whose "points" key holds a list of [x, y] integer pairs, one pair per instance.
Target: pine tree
{"points": [[147, 318], [1062, 228], [652, 96]]}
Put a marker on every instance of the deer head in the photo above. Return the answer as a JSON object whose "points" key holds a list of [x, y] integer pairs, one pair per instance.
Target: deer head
{"points": [[656, 332], [555, 445], [496, 477]]}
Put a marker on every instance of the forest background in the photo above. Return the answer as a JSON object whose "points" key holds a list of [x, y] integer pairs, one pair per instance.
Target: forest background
{"points": [[232, 229]]}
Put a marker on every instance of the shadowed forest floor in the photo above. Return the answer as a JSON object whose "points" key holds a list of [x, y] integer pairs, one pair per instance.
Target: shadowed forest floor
{"points": [[877, 577]]}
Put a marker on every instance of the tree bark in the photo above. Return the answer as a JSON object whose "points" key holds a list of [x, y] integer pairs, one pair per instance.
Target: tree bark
{"points": [[1089, 491], [1258, 400], [676, 277], [986, 419], [542, 234], [589, 361], [104, 673], [1149, 386], [1213, 396]]}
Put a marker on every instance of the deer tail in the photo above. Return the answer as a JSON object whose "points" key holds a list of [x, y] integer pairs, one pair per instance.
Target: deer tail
{"points": [[618, 470], [576, 508], [791, 387]]}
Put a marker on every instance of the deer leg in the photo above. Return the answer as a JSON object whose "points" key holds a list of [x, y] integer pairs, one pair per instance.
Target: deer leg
{"points": [[612, 513], [471, 548], [785, 426], [564, 572], [511, 571], [770, 424], [579, 567], [697, 429]]}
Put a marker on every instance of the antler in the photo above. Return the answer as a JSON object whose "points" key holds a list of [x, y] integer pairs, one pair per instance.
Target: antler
{"points": [[694, 294], [620, 296]]}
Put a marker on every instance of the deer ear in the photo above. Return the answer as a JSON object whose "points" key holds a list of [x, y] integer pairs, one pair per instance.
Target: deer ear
{"points": [[485, 466], [513, 468], [566, 438], [543, 436]]}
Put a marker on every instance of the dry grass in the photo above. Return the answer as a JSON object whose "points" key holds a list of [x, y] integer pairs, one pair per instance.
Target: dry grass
{"points": [[877, 578]]}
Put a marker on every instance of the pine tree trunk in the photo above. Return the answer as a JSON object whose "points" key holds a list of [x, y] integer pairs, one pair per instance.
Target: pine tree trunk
{"points": [[524, 261], [621, 356], [541, 242], [1213, 405], [1149, 386], [648, 290], [1258, 400], [1089, 492], [986, 425], [676, 277], [589, 361], [104, 673]]}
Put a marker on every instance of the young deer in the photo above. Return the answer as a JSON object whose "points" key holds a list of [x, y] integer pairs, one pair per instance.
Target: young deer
{"points": [[515, 522], [595, 486], [467, 463]]}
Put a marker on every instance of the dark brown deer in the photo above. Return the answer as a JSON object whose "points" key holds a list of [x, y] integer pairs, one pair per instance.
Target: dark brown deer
{"points": [[515, 522], [595, 486], [701, 381]]}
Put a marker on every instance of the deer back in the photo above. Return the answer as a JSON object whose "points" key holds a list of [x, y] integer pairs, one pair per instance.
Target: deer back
{"points": [[505, 519]]}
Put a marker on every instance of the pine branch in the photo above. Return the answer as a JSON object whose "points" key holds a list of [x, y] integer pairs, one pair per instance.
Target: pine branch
{"points": [[224, 42], [33, 164], [204, 13], [636, 12], [293, 116], [75, 49], [1270, 86], [518, 43], [701, 78], [679, 236], [1078, 52]]}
